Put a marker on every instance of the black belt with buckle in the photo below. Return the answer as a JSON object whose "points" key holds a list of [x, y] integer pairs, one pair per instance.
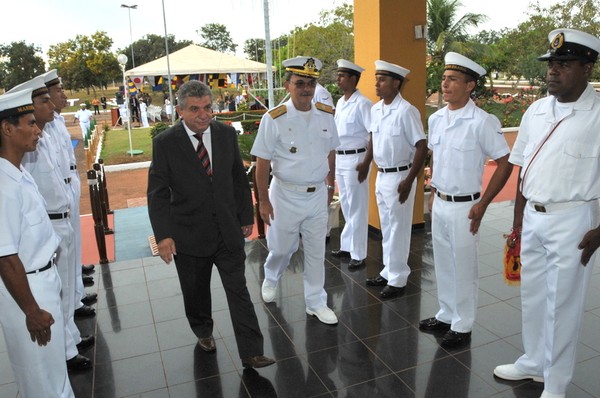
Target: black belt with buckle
{"points": [[351, 151], [457, 198], [73, 167], [68, 180], [47, 267], [394, 169], [311, 189], [539, 208], [58, 216]]}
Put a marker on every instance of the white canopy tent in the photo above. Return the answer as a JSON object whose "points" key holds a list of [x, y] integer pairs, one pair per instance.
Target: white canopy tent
{"points": [[195, 59]]}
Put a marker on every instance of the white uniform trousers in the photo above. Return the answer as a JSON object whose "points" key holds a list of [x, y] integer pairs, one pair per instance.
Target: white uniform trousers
{"points": [[65, 263], [456, 258], [396, 226], [39, 371], [354, 199], [144, 118], [84, 126], [553, 290], [76, 224], [298, 213]]}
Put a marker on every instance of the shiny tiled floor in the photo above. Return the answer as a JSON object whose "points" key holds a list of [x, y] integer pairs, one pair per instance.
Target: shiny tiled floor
{"points": [[145, 347]]}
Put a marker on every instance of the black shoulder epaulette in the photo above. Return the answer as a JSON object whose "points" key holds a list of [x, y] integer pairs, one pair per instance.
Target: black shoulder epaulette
{"points": [[276, 112], [324, 107]]}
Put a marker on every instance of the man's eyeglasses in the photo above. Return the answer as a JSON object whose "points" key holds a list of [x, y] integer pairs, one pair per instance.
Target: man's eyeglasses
{"points": [[301, 84]]}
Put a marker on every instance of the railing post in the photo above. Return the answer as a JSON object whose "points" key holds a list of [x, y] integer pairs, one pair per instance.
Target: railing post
{"points": [[105, 185], [97, 216], [101, 199]]}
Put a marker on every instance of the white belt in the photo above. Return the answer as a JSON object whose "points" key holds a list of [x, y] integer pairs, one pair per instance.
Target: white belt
{"points": [[554, 207], [299, 188]]}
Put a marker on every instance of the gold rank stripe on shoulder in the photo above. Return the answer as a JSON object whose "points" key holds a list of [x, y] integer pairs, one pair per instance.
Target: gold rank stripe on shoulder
{"points": [[324, 107], [280, 110]]}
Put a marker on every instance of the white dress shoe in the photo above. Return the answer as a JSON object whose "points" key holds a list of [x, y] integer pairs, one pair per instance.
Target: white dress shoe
{"points": [[546, 394], [324, 315], [268, 292], [510, 372]]}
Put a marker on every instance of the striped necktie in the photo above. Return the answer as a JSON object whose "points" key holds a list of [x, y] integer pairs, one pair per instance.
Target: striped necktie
{"points": [[203, 155]]}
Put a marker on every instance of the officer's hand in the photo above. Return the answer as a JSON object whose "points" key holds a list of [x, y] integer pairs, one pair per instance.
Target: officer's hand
{"points": [[38, 324], [247, 230], [266, 211], [363, 171], [404, 190], [589, 244], [329, 196], [475, 215], [166, 249]]}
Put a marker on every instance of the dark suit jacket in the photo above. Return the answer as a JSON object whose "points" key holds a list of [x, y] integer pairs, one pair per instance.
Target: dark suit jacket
{"points": [[185, 205]]}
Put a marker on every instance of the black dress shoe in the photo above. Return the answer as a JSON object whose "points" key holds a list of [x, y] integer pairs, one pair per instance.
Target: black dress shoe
{"points": [[207, 344], [340, 253], [87, 280], [86, 341], [89, 298], [79, 362], [259, 361], [455, 339], [85, 311], [355, 263], [87, 268], [391, 291], [432, 324], [378, 281]]}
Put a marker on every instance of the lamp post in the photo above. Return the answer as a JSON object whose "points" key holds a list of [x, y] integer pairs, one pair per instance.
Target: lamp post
{"points": [[130, 34], [122, 59]]}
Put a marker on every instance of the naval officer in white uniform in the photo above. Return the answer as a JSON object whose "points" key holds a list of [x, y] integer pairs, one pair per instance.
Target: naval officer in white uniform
{"points": [[461, 137], [352, 163], [558, 150], [399, 149], [297, 140]]}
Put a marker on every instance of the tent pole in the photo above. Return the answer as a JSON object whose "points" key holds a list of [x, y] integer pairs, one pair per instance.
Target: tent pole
{"points": [[168, 65]]}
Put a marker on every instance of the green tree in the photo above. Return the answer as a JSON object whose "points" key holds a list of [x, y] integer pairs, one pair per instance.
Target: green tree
{"points": [[217, 37], [255, 49], [447, 32], [329, 39], [85, 62], [520, 47], [151, 47], [20, 62]]}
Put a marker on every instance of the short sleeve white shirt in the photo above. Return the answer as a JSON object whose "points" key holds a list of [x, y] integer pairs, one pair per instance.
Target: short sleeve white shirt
{"points": [[353, 121], [298, 150], [396, 129]]}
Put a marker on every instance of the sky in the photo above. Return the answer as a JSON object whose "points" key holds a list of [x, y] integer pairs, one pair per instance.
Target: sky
{"points": [[55, 21]]}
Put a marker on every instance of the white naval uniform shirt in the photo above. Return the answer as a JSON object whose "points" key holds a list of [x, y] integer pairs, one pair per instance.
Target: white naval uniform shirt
{"points": [[460, 148], [567, 167], [323, 96], [84, 115], [298, 151], [396, 129], [24, 225], [353, 121], [48, 175]]}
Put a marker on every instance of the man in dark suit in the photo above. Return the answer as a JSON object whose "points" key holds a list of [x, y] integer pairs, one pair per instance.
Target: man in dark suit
{"points": [[200, 209]]}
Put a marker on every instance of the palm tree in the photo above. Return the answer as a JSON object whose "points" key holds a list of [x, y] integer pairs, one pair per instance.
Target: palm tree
{"points": [[446, 32]]}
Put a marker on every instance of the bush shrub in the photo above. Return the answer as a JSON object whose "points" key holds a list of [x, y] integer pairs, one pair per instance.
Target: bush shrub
{"points": [[158, 128]]}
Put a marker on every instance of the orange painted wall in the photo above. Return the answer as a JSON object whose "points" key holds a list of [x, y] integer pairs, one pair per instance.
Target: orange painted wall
{"points": [[385, 29]]}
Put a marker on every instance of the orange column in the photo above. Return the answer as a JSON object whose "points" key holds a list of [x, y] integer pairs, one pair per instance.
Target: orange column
{"points": [[386, 29]]}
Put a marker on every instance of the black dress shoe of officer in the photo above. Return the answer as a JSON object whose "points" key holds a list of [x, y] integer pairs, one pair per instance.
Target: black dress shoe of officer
{"points": [[86, 341], [355, 263], [259, 361], [87, 269], [340, 253], [207, 344], [391, 291], [89, 298], [85, 311], [79, 362], [455, 339], [432, 324], [378, 281], [87, 280]]}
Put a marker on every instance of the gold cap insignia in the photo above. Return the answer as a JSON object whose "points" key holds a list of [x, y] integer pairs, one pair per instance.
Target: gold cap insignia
{"points": [[558, 41]]}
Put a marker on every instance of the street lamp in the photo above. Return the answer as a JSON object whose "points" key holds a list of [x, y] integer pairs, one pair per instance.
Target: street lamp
{"points": [[122, 59], [130, 34]]}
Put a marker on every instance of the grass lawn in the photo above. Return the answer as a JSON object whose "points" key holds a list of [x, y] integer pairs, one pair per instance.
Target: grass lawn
{"points": [[116, 145]]}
